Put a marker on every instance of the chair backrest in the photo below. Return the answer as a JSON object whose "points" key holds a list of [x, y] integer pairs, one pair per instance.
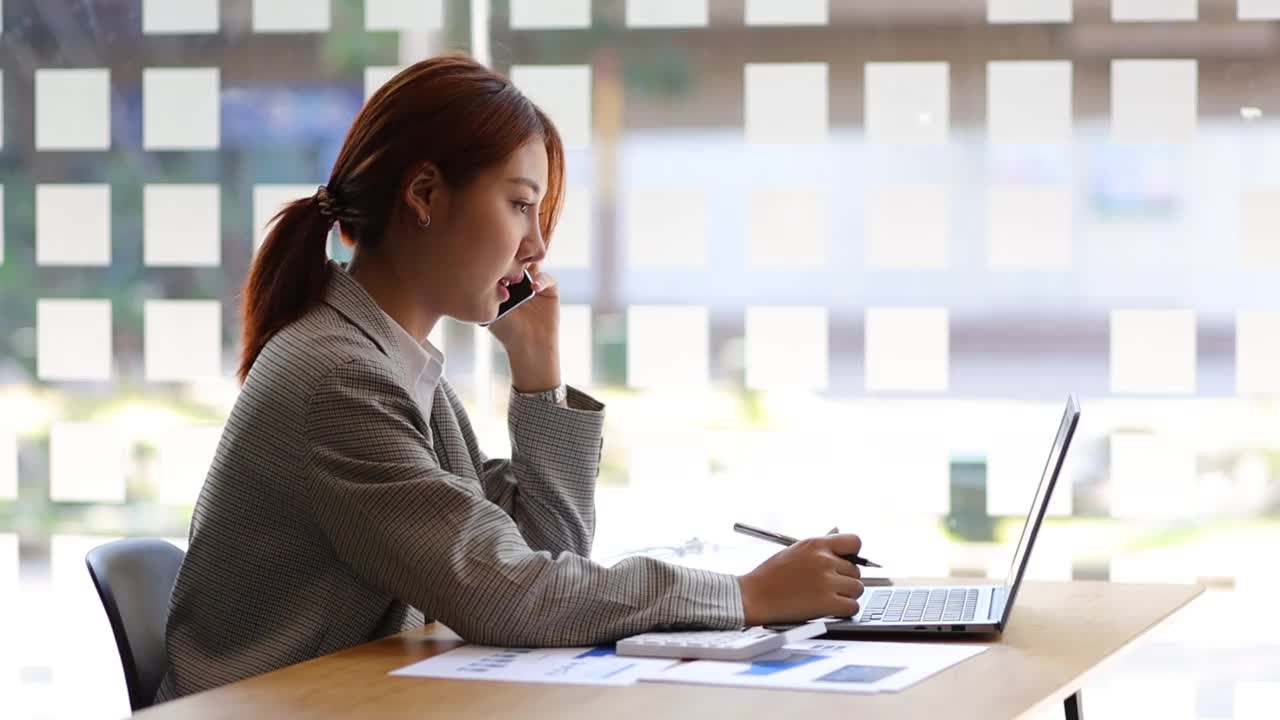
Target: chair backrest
{"points": [[134, 579]]}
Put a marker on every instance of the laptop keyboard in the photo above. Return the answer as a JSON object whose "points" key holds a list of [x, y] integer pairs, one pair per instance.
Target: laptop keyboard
{"points": [[925, 605]]}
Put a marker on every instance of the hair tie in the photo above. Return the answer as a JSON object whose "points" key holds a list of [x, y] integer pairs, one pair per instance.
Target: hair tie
{"points": [[328, 206]]}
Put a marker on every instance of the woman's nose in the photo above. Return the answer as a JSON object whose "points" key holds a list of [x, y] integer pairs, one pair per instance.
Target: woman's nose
{"points": [[535, 250]]}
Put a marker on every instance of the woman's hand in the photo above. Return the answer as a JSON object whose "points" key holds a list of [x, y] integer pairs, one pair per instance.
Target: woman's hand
{"points": [[807, 580], [531, 336]]}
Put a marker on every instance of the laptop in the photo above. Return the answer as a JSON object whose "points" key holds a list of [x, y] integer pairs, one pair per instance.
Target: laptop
{"points": [[968, 609]]}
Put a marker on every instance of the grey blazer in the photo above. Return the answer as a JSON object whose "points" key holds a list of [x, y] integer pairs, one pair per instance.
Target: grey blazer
{"points": [[334, 513]]}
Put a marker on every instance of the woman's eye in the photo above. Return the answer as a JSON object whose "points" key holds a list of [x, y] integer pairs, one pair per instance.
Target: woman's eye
{"points": [[523, 206]]}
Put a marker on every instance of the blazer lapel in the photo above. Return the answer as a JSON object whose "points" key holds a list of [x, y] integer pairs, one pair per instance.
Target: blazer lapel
{"points": [[354, 303]]}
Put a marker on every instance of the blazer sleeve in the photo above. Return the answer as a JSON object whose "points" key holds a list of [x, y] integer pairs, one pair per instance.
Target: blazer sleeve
{"points": [[548, 486], [433, 540]]}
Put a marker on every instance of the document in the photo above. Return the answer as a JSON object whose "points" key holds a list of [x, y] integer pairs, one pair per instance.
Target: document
{"points": [[569, 666], [847, 666]]}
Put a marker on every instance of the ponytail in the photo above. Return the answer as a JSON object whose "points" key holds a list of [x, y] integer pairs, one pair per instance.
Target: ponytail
{"points": [[450, 111], [288, 275]]}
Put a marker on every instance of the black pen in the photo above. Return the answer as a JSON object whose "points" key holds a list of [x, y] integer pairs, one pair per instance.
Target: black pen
{"points": [[756, 532]]}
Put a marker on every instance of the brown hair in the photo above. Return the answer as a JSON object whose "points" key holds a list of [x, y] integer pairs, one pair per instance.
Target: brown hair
{"points": [[451, 111]]}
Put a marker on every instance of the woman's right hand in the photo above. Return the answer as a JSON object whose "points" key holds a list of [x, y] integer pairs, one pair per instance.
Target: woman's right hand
{"points": [[805, 581]]}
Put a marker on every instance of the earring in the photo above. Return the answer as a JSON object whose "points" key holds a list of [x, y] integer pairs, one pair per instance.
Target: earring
{"points": [[425, 223]]}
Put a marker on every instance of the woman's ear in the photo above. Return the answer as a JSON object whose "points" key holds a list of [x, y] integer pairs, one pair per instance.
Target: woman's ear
{"points": [[422, 190]]}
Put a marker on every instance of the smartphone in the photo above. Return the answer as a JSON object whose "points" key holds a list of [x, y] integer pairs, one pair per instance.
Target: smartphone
{"points": [[521, 293]]}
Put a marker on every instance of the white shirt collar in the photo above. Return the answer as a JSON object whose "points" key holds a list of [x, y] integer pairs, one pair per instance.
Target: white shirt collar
{"points": [[423, 361]]}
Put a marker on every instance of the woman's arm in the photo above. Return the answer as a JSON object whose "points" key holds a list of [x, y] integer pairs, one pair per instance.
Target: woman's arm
{"points": [[433, 540], [548, 485]]}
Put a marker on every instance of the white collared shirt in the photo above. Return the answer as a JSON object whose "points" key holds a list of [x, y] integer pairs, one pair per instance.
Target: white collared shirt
{"points": [[424, 363]]}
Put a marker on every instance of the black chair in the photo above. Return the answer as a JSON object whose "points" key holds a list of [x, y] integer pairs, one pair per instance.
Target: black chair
{"points": [[134, 579]]}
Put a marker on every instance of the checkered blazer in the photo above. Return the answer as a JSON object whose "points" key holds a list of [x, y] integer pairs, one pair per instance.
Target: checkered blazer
{"points": [[335, 513]]}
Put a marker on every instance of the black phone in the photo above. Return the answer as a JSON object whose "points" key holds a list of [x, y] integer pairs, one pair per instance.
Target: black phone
{"points": [[521, 293]]}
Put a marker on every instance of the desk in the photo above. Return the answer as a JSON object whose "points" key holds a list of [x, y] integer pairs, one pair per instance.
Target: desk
{"points": [[1059, 633]]}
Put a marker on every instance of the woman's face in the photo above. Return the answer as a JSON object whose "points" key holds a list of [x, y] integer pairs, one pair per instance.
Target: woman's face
{"points": [[484, 233]]}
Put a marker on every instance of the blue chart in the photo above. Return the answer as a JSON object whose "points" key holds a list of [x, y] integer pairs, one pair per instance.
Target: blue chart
{"points": [[859, 674], [573, 665], [792, 659], [490, 663]]}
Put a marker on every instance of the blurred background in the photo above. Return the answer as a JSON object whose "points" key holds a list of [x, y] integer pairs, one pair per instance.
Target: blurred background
{"points": [[826, 262]]}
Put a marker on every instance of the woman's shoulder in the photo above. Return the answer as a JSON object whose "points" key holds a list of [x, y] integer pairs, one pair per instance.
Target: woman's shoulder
{"points": [[313, 348]]}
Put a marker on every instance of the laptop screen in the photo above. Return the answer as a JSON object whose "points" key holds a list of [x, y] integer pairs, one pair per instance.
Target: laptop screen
{"points": [[1049, 478]]}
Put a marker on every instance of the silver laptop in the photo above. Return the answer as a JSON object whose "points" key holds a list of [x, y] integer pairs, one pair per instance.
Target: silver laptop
{"points": [[969, 609]]}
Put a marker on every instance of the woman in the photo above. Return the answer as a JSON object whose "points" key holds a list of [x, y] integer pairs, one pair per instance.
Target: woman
{"points": [[348, 495]]}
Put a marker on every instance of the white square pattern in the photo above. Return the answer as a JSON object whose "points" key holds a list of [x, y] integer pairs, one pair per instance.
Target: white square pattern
{"points": [[570, 243], [183, 457], [85, 651], [8, 464], [666, 13], [791, 12], [291, 16], [183, 340], [73, 225], [1029, 102], [1029, 227], [1152, 476], [1028, 11], [182, 226], [1258, 10], [550, 14], [575, 345], [1155, 566], [666, 461], [1153, 351], [181, 108], [564, 93], [667, 346], [1018, 446], [1260, 228], [271, 199], [403, 14], [907, 227], [179, 17], [1153, 101], [86, 462], [907, 349], [786, 348], [675, 237], [907, 102], [1153, 10], [788, 228], [375, 76], [73, 339], [8, 569], [892, 464], [1258, 353], [785, 102], [73, 109]]}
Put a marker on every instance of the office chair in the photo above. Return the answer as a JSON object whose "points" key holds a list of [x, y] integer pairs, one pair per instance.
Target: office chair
{"points": [[134, 579]]}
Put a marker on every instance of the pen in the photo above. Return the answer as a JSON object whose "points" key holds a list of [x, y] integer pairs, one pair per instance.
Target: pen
{"points": [[756, 532]]}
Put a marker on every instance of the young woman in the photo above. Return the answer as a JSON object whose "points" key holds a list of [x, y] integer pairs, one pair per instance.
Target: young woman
{"points": [[349, 496]]}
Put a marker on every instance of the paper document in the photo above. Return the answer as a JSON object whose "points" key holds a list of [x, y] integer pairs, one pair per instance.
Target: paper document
{"points": [[570, 666], [827, 666]]}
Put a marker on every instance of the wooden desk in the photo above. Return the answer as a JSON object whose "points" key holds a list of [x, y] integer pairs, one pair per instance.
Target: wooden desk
{"points": [[1059, 633]]}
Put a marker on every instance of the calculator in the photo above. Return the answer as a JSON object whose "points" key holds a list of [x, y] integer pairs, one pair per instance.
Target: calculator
{"points": [[715, 644]]}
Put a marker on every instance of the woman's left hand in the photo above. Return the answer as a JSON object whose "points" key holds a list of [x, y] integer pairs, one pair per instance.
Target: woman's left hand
{"points": [[531, 336]]}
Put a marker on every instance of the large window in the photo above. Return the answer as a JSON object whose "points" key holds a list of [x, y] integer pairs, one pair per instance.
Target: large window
{"points": [[827, 263]]}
